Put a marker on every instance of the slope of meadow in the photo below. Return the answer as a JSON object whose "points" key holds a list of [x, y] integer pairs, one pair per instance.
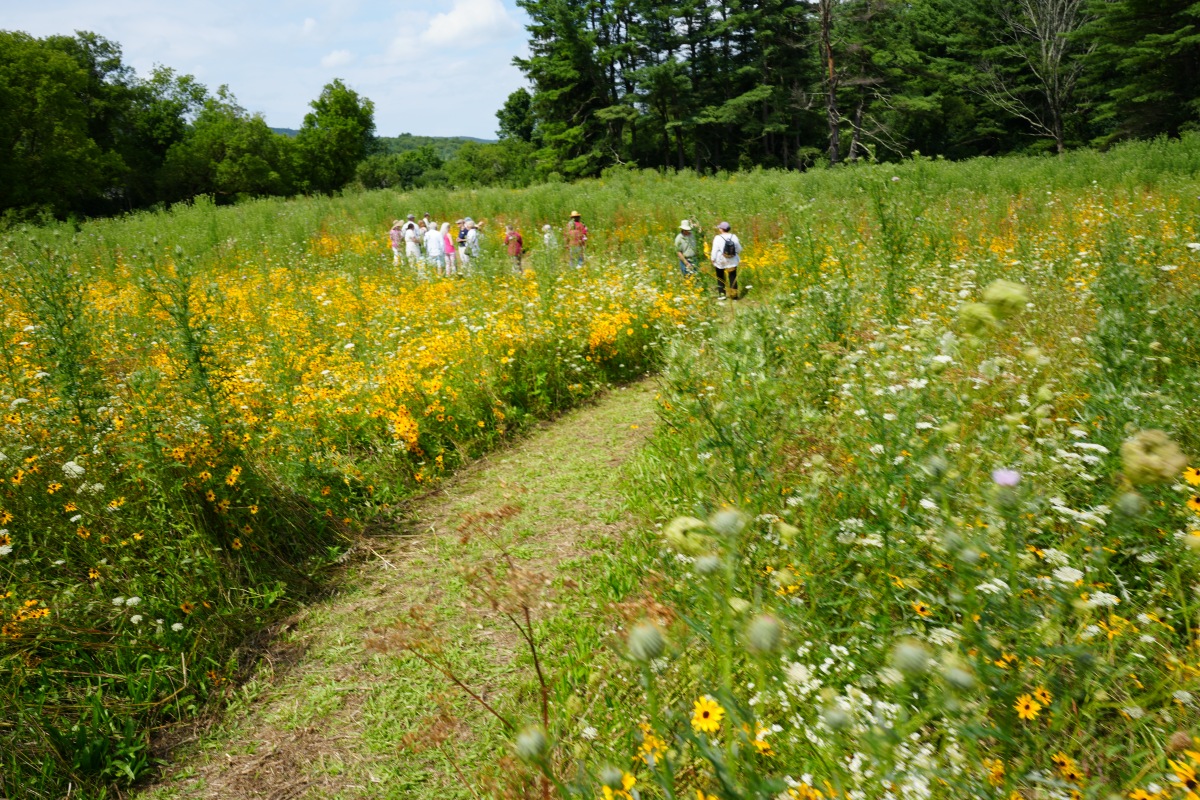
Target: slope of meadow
{"points": [[900, 554]]}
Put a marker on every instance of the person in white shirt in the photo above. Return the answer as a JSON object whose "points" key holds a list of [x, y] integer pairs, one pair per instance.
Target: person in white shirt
{"points": [[470, 249], [726, 255], [412, 240], [435, 248]]}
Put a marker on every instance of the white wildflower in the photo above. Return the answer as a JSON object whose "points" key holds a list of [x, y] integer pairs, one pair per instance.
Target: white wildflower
{"points": [[1067, 575], [72, 470], [178, 626], [1102, 599]]}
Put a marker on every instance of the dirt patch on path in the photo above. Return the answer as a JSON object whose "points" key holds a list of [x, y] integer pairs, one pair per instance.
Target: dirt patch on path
{"points": [[333, 723]]}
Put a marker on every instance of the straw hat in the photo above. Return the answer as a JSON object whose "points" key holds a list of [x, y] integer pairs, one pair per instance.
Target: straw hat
{"points": [[470, 225], [686, 225], [396, 224], [575, 215]]}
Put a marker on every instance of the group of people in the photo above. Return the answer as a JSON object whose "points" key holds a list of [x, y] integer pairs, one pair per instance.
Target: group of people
{"points": [[576, 235], [423, 242], [725, 255]]}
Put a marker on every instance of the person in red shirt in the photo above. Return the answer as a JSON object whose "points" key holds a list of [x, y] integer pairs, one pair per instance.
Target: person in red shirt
{"points": [[576, 236], [515, 245]]}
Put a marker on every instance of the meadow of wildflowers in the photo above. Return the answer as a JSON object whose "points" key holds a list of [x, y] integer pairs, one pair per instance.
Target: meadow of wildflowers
{"points": [[927, 499], [929, 516], [197, 422]]}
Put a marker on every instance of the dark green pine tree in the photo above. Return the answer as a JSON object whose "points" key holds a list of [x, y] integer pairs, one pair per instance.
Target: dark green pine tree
{"points": [[1144, 71], [569, 85]]}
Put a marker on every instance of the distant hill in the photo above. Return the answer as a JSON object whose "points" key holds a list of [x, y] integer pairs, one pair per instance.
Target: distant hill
{"points": [[444, 146]]}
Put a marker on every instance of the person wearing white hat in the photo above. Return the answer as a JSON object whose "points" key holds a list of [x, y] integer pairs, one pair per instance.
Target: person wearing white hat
{"points": [[685, 248], [412, 240]]}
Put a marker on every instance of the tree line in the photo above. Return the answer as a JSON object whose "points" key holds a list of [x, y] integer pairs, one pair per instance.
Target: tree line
{"points": [[685, 84], [733, 84]]}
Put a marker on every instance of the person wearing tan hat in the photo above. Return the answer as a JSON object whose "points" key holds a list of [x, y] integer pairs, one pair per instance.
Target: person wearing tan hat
{"points": [[397, 242], [576, 236], [685, 248]]}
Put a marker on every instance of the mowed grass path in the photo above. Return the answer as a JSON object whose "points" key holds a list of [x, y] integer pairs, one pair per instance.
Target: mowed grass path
{"points": [[326, 718]]}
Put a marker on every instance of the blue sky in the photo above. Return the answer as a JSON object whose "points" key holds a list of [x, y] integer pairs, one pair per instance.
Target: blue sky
{"points": [[440, 68]]}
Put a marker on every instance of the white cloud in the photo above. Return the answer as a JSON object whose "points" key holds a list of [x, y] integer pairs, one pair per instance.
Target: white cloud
{"points": [[469, 23], [338, 58], [309, 27]]}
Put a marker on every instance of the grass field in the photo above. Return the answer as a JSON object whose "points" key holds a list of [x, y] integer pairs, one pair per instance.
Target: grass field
{"points": [[916, 538]]}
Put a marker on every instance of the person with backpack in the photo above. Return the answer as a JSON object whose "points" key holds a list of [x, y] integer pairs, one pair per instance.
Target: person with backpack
{"points": [[576, 236], [469, 252], [726, 253], [685, 249]]}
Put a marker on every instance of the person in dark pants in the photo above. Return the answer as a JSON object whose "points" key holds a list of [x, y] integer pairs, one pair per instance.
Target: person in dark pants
{"points": [[726, 255]]}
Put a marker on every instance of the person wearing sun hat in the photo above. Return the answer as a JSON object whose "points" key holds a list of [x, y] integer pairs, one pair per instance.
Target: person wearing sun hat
{"points": [[685, 249], [576, 236], [397, 239], [726, 252]]}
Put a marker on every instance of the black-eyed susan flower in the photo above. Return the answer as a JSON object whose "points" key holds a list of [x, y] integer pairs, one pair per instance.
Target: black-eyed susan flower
{"points": [[1193, 503], [1027, 708], [1042, 695], [1192, 475], [186, 607], [921, 608], [707, 715]]}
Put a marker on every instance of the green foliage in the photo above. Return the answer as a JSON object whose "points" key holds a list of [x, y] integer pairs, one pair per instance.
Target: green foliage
{"points": [[336, 135]]}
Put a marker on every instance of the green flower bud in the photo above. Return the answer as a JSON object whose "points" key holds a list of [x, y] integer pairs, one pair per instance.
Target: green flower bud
{"points": [[910, 657], [1131, 504], [763, 634], [646, 642], [1151, 457], [1006, 298], [611, 777], [977, 319], [728, 522], [532, 745], [684, 535], [835, 718]]}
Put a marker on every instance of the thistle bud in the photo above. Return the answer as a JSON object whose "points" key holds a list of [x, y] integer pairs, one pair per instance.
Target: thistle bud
{"points": [[532, 744], [910, 657], [1131, 504], [763, 634], [1005, 298], [1151, 457], [646, 642], [727, 523], [611, 777]]}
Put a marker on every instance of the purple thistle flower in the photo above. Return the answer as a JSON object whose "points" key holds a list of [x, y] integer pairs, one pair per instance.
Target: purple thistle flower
{"points": [[1006, 477]]}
